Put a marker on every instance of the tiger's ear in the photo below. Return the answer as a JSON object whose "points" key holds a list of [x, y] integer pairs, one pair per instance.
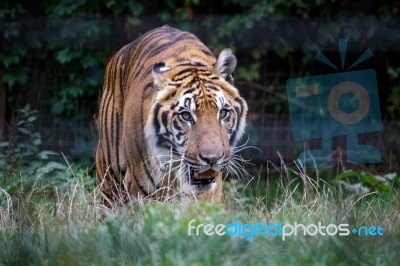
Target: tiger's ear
{"points": [[226, 64], [159, 71]]}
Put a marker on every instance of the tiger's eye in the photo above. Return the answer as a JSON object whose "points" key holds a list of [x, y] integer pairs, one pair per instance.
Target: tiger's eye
{"points": [[223, 113], [186, 116]]}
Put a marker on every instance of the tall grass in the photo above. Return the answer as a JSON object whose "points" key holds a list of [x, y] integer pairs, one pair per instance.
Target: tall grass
{"points": [[70, 228]]}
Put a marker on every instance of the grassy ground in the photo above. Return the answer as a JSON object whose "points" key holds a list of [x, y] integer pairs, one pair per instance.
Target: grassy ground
{"points": [[66, 227]]}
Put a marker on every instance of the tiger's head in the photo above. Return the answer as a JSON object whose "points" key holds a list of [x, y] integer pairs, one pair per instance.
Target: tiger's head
{"points": [[196, 120]]}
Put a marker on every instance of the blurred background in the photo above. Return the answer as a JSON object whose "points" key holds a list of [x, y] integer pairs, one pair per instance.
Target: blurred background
{"points": [[53, 55]]}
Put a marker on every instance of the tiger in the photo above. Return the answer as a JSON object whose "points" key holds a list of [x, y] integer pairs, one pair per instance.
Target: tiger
{"points": [[169, 119]]}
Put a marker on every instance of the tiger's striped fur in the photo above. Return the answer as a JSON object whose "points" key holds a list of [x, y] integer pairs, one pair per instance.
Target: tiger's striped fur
{"points": [[169, 118]]}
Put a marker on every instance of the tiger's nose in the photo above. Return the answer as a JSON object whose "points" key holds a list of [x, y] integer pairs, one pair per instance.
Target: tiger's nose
{"points": [[211, 158]]}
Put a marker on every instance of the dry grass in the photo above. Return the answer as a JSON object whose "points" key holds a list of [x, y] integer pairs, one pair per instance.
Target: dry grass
{"points": [[71, 227]]}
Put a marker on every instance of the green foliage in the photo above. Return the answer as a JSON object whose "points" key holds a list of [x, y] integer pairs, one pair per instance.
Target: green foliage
{"points": [[71, 228], [23, 164], [65, 54], [393, 107], [249, 74], [22, 145], [363, 182], [65, 59]]}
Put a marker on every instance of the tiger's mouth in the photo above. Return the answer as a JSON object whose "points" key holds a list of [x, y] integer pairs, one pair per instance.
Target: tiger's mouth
{"points": [[202, 179]]}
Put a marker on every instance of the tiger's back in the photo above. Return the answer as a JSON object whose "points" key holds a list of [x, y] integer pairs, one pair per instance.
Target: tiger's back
{"points": [[130, 113]]}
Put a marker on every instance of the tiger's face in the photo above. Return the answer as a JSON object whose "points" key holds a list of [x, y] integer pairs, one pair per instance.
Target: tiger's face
{"points": [[196, 121]]}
